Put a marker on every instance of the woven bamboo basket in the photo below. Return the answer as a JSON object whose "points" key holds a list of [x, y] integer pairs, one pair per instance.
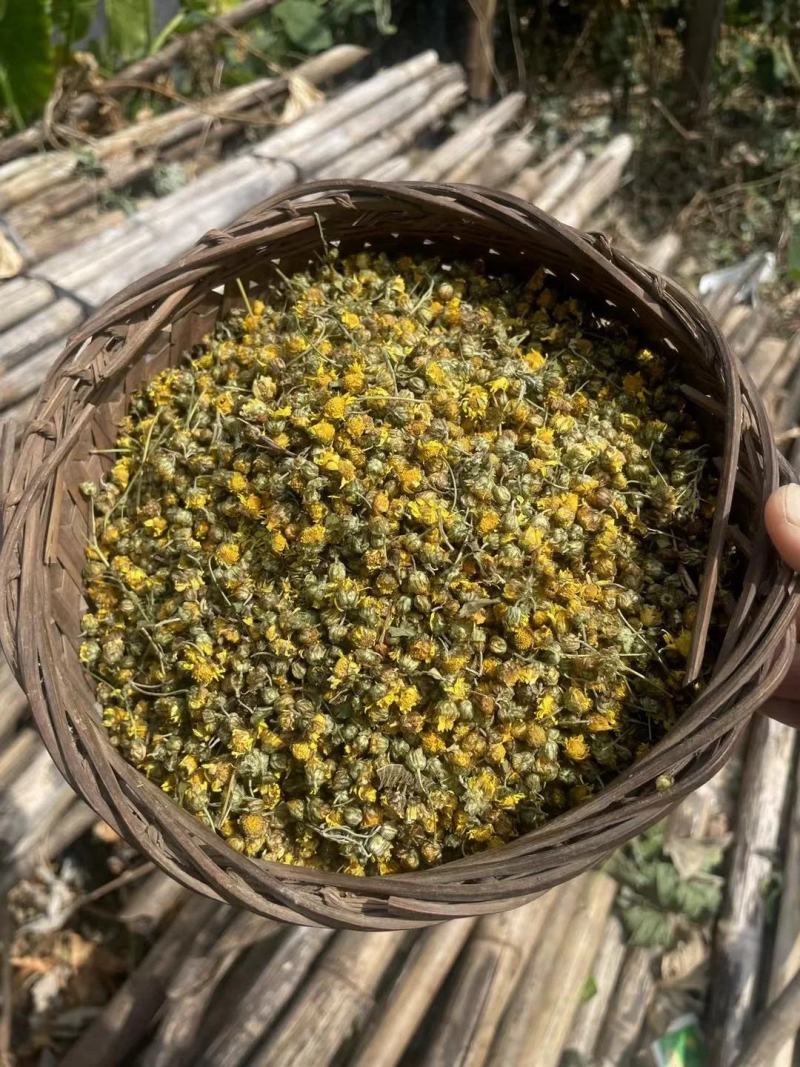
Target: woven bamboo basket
{"points": [[152, 323]]}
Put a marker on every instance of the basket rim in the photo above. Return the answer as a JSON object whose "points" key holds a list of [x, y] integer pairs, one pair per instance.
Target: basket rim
{"points": [[695, 748]]}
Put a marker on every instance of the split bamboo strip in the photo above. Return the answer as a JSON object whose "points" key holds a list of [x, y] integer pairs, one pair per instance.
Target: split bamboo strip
{"points": [[740, 928], [450, 154], [142, 70], [487, 975], [116, 1031], [539, 1015], [625, 1017], [589, 1018], [252, 1008], [600, 181], [334, 1001], [431, 959], [197, 980], [785, 962], [561, 181]]}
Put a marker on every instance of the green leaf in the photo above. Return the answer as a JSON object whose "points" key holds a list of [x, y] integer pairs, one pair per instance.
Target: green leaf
{"points": [[73, 18], [303, 23], [667, 885], [129, 27], [648, 928], [26, 56], [699, 900], [589, 988]]}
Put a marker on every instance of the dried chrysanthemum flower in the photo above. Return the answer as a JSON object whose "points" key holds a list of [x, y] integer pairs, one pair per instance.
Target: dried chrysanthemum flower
{"points": [[399, 565]]}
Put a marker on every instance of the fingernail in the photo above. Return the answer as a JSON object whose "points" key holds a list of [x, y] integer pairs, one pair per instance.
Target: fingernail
{"points": [[791, 503]]}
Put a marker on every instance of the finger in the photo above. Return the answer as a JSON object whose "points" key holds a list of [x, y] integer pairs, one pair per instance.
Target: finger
{"points": [[782, 516]]}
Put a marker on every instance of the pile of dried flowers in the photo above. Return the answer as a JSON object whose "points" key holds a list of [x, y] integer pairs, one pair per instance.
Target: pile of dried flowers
{"points": [[398, 566]]}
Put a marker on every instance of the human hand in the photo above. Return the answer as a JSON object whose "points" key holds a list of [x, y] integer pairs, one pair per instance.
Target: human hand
{"points": [[783, 525]]}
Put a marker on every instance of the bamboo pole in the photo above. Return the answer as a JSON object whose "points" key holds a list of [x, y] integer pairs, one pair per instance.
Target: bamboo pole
{"points": [[405, 1005], [506, 160], [154, 898], [251, 1009], [632, 996], [448, 156], [785, 369], [393, 170], [777, 1026], [764, 362], [531, 179], [600, 181], [12, 700], [589, 1018], [30, 807], [785, 963], [448, 88], [740, 928], [24, 378], [748, 331], [485, 980], [466, 169], [561, 181], [197, 981], [538, 1018], [334, 1001], [16, 756], [662, 253]]}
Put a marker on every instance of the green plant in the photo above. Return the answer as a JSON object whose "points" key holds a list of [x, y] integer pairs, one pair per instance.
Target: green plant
{"points": [[27, 59], [38, 38], [656, 904]]}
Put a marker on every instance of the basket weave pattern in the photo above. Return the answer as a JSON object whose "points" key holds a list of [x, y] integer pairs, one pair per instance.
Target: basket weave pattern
{"points": [[150, 326]]}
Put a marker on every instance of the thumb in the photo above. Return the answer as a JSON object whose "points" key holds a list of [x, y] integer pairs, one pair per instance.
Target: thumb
{"points": [[782, 516]]}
